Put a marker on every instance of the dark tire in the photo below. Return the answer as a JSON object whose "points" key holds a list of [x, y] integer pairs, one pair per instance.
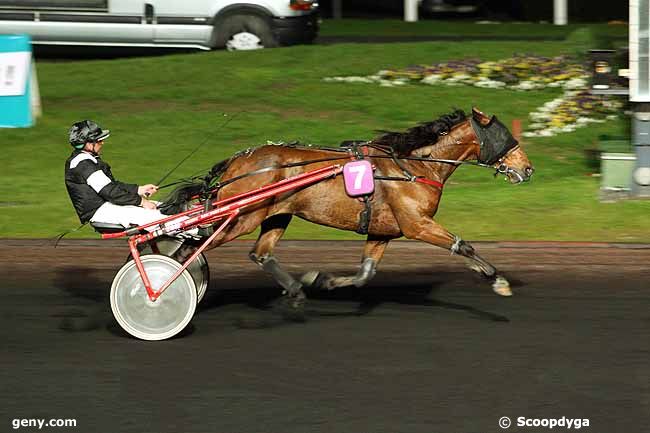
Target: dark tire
{"points": [[244, 32]]}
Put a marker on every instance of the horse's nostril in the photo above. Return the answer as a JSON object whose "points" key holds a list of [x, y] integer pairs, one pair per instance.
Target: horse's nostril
{"points": [[530, 171]]}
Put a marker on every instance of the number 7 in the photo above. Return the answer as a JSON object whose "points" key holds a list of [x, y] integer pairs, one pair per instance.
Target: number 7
{"points": [[360, 171]]}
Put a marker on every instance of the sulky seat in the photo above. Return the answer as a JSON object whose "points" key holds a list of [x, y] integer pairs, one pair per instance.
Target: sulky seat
{"points": [[107, 227]]}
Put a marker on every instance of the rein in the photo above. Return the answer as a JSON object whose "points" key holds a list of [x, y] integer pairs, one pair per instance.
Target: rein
{"points": [[275, 167], [349, 151]]}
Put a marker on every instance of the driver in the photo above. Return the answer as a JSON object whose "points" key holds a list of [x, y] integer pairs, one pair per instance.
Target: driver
{"points": [[96, 195]]}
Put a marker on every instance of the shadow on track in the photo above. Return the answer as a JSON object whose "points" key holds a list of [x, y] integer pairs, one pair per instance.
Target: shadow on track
{"points": [[270, 311], [262, 304], [83, 285]]}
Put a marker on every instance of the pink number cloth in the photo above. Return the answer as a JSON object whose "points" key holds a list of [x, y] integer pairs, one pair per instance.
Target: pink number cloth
{"points": [[358, 178]]}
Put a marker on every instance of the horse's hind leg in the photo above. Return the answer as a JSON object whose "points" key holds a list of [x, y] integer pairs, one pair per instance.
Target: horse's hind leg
{"points": [[262, 253], [431, 232], [372, 254]]}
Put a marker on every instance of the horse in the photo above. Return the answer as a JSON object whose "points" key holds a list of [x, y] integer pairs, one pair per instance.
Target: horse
{"points": [[411, 168]]}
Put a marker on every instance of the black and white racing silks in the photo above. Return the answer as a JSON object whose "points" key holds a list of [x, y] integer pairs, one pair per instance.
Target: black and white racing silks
{"points": [[90, 184]]}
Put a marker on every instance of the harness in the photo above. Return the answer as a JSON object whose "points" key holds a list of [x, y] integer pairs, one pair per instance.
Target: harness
{"points": [[359, 150]]}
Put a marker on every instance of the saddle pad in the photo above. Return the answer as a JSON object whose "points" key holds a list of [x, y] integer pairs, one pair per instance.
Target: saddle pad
{"points": [[358, 178]]}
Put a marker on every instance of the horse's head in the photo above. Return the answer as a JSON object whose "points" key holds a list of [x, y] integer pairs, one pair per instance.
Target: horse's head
{"points": [[499, 149]]}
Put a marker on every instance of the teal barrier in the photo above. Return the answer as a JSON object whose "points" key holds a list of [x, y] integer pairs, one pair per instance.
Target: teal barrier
{"points": [[15, 81]]}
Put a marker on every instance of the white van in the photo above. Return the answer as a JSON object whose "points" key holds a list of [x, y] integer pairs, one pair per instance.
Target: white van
{"points": [[204, 24]]}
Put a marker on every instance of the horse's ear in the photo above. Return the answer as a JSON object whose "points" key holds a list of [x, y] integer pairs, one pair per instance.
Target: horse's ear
{"points": [[480, 117]]}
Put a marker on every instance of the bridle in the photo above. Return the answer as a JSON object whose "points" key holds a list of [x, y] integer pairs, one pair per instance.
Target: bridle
{"points": [[507, 171], [499, 166], [497, 136], [387, 151]]}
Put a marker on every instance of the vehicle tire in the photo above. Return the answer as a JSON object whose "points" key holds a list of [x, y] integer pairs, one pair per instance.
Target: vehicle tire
{"points": [[244, 32], [153, 320], [199, 269]]}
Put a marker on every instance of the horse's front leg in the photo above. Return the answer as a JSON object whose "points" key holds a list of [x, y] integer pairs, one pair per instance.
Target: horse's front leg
{"points": [[431, 232], [372, 254]]}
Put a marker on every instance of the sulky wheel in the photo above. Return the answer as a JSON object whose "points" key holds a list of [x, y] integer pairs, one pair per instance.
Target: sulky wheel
{"points": [[199, 269], [159, 319], [201, 275]]}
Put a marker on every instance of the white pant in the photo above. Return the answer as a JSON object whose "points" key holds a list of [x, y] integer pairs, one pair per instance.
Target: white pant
{"points": [[126, 215]]}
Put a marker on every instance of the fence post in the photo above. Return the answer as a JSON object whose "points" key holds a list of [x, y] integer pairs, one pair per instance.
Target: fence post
{"points": [[560, 12], [410, 11]]}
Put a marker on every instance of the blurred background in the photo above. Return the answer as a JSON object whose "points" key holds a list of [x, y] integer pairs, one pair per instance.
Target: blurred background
{"points": [[346, 70], [510, 10]]}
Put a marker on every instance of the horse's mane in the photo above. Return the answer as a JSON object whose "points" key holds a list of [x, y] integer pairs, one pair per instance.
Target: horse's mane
{"points": [[425, 134], [402, 142]]}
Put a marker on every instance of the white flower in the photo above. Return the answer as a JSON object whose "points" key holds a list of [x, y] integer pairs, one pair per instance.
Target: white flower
{"points": [[539, 117], [457, 78], [527, 85], [553, 104], [490, 84], [334, 79], [431, 79], [358, 80], [575, 83]]}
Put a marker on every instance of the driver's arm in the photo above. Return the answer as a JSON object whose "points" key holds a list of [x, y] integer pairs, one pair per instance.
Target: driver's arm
{"points": [[111, 190]]}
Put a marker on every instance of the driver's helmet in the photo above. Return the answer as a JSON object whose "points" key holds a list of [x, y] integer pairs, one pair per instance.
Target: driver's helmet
{"points": [[86, 131]]}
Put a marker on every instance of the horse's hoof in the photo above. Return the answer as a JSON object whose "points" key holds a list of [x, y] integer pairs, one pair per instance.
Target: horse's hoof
{"points": [[297, 302], [293, 308], [309, 279], [501, 287]]}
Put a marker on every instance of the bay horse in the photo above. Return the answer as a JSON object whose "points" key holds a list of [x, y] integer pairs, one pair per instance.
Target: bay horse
{"points": [[410, 170]]}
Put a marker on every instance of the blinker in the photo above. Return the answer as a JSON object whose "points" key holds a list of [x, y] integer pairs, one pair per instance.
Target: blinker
{"points": [[495, 140]]}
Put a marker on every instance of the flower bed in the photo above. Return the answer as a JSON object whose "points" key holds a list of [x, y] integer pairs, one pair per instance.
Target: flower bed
{"points": [[572, 110], [518, 72], [575, 108]]}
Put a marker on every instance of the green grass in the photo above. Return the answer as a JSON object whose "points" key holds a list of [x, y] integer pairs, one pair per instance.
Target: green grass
{"points": [[160, 108]]}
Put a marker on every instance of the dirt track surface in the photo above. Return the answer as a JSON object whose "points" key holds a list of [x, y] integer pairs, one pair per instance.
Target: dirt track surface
{"points": [[426, 347]]}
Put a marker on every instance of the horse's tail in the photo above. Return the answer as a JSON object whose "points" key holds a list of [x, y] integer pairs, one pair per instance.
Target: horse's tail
{"points": [[178, 199]]}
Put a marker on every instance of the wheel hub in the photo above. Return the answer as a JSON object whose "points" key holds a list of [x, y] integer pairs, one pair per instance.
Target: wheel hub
{"points": [[244, 41]]}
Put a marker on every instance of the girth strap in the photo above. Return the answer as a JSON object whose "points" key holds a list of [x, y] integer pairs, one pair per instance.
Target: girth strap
{"points": [[360, 150], [364, 216]]}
